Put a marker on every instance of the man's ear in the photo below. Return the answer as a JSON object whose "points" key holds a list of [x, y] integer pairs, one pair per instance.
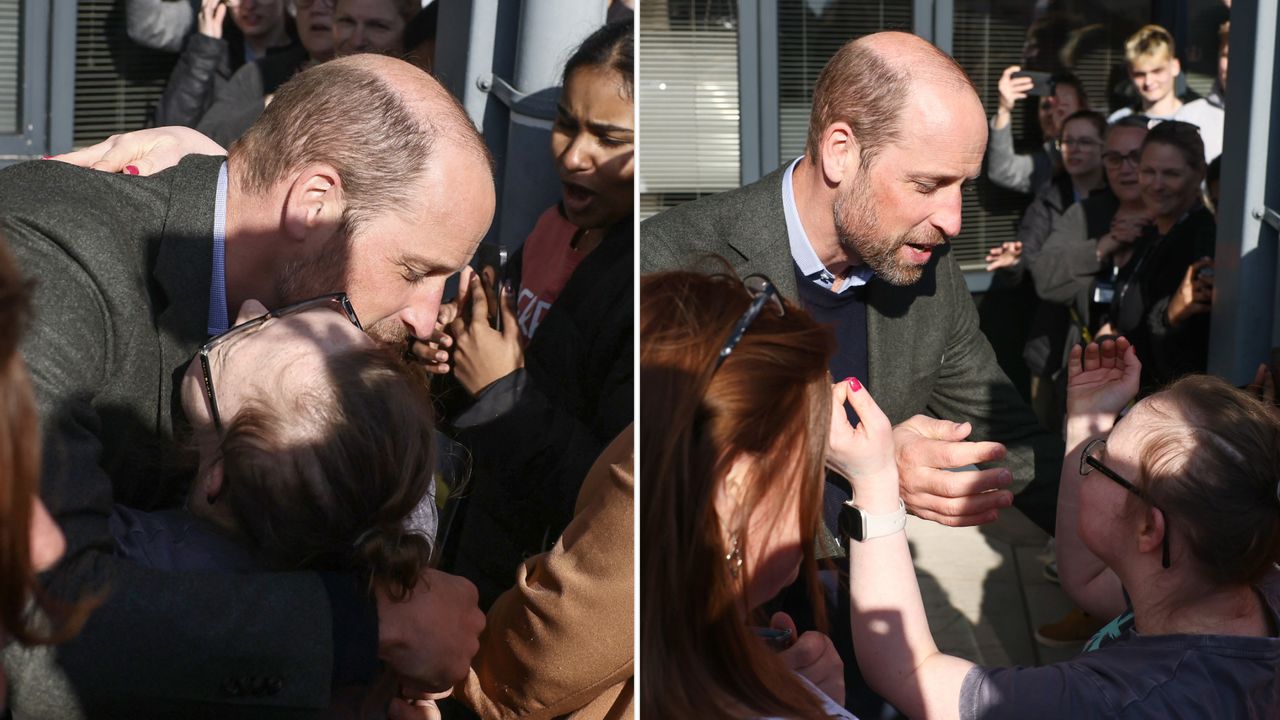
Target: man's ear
{"points": [[314, 202], [839, 153], [1175, 68]]}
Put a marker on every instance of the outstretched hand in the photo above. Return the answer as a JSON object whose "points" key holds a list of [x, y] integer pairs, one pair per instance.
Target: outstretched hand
{"points": [[863, 454], [142, 152], [1102, 379]]}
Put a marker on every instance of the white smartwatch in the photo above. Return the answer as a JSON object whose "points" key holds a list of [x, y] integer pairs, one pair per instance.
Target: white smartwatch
{"points": [[857, 524]]}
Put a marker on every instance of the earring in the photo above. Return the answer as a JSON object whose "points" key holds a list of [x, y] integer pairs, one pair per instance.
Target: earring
{"points": [[734, 558]]}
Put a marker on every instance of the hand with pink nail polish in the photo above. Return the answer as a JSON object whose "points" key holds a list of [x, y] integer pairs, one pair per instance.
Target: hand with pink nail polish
{"points": [[863, 454]]}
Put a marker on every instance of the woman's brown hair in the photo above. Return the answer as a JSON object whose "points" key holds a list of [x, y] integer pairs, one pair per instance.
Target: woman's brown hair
{"points": [[341, 499], [1213, 466], [769, 400], [20, 474]]}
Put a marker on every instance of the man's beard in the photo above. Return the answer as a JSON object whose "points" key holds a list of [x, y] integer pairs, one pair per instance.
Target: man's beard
{"points": [[859, 232]]}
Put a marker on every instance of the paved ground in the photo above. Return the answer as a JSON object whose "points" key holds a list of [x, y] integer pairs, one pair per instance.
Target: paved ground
{"points": [[984, 590]]}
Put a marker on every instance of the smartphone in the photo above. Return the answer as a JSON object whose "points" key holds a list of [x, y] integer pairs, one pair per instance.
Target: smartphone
{"points": [[1042, 82], [773, 637], [494, 256]]}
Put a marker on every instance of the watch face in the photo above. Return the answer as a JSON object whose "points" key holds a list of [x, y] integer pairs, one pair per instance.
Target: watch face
{"points": [[851, 525]]}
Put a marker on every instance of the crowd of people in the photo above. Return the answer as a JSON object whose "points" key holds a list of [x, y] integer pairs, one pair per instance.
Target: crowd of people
{"points": [[242, 449]]}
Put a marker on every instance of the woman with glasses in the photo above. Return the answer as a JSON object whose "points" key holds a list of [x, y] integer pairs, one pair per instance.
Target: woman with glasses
{"points": [[1076, 267], [313, 448], [1170, 338], [734, 416], [1168, 520]]}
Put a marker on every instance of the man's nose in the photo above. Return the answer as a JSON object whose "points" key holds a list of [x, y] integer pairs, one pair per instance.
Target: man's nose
{"points": [[420, 315], [947, 218]]}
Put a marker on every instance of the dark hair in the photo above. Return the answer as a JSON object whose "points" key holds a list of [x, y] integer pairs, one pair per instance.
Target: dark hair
{"points": [[1141, 122], [339, 501], [1095, 119], [1181, 135], [1059, 80], [1213, 466], [610, 47], [1214, 171], [770, 400], [860, 86], [343, 113], [422, 27], [20, 474]]}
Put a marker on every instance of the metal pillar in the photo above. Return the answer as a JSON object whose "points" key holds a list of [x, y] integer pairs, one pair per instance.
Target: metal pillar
{"points": [[1245, 324], [503, 59]]}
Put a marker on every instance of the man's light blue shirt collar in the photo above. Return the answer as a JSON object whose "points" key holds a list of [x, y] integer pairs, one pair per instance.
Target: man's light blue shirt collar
{"points": [[802, 250], [218, 321]]}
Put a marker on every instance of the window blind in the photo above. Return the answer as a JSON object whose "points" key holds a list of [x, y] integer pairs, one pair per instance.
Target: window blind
{"points": [[809, 33], [117, 80], [10, 67], [689, 107]]}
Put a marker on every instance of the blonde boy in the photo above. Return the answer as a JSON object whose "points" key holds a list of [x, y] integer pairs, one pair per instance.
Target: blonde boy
{"points": [[1154, 70]]}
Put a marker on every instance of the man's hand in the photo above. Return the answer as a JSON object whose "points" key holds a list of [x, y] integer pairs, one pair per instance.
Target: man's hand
{"points": [[925, 448], [481, 354], [212, 13], [1194, 295], [814, 657], [1007, 255], [429, 638], [142, 152]]}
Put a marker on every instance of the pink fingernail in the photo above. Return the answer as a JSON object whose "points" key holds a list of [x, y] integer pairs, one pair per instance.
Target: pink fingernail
{"points": [[854, 385], [131, 169], [45, 157]]}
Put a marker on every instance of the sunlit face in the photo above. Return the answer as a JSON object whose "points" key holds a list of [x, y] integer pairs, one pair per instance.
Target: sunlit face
{"points": [[258, 18], [893, 214], [1153, 76], [1123, 147], [374, 26], [1105, 519], [396, 264], [593, 142], [1169, 185], [315, 29], [1081, 148]]}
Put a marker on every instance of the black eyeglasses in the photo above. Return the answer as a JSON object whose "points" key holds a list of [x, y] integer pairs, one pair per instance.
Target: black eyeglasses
{"points": [[1113, 159], [218, 344], [763, 292], [1089, 460]]}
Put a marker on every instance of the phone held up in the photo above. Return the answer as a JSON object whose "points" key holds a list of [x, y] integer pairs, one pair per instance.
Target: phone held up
{"points": [[494, 256], [1042, 82]]}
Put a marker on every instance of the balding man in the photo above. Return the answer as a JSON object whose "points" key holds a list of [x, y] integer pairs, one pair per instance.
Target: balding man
{"points": [[856, 231], [363, 175]]}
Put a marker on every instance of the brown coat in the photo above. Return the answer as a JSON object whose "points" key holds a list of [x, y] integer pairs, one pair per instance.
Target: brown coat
{"points": [[560, 643]]}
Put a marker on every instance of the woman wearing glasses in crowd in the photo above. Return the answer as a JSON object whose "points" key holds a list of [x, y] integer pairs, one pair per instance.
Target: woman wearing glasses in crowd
{"points": [[734, 422], [314, 452], [1168, 520]]}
